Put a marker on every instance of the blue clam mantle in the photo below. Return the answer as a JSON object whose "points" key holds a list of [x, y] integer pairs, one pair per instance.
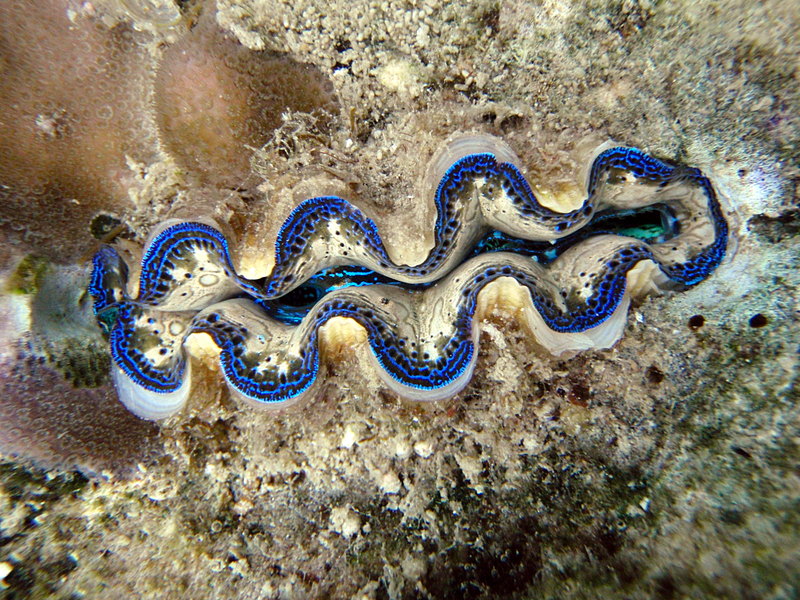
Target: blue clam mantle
{"points": [[330, 261]]}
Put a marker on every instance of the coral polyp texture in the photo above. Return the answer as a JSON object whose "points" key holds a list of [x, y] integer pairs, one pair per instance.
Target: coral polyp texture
{"points": [[65, 153], [580, 269], [215, 101], [58, 406], [67, 156]]}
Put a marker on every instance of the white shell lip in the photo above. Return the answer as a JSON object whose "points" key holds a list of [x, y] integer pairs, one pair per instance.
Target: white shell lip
{"points": [[151, 406], [460, 145], [276, 406]]}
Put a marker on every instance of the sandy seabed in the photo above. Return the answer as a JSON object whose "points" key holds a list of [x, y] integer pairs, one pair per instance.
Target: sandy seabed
{"points": [[665, 467]]}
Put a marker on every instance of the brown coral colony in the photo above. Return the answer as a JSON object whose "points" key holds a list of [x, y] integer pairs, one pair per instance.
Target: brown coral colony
{"points": [[71, 117], [86, 111], [215, 100]]}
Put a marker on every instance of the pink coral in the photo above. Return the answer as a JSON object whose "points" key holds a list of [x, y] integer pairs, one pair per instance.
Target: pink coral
{"points": [[71, 111], [46, 419]]}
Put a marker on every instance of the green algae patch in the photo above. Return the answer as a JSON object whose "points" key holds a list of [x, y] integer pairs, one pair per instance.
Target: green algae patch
{"points": [[27, 277]]}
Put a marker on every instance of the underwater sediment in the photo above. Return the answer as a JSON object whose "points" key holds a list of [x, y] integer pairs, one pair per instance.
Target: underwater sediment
{"points": [[665, 466]]}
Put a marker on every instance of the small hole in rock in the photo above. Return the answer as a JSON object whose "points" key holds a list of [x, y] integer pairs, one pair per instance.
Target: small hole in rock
{"points": [[654, 375], [696, 321]]}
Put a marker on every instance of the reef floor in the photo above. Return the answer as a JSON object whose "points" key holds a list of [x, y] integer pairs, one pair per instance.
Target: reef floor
{"points": [[665, 467]]}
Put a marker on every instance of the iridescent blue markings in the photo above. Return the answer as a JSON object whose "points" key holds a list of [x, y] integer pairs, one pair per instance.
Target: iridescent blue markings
{"points": [[131, 341], [330, 261], [108, 280]]}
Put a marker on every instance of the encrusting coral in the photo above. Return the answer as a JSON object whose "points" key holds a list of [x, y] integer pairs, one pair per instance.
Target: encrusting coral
{"points": [[57, 405], [67, 156], [64, 153], [215, 101]]}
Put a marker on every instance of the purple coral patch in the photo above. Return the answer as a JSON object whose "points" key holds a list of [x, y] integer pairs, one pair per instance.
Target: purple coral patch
{"points": [[48, 421]]}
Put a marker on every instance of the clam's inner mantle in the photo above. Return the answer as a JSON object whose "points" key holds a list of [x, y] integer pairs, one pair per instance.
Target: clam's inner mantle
{"points": [[580, 269]]}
